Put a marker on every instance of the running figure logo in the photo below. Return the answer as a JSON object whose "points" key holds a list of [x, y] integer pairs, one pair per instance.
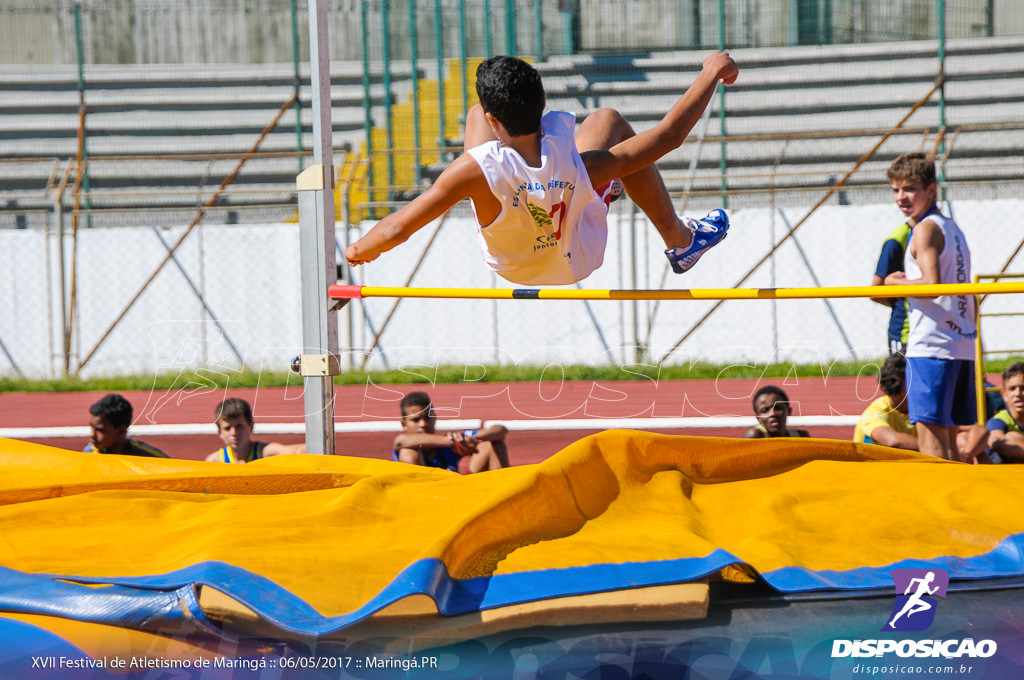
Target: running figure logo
{"points": [[916, 590]]}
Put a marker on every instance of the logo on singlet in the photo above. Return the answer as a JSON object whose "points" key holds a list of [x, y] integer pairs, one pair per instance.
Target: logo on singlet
{"points": [[545, 222], [545, 241], [540, 216]]}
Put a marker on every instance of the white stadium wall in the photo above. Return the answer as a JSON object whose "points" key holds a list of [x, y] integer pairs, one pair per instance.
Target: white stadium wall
{"points": [[249, 279]]}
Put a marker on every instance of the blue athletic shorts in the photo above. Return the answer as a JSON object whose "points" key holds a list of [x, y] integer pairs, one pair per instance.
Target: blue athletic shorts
{"points": [[941, 391]]}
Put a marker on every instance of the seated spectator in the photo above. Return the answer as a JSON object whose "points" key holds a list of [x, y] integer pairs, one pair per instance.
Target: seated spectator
{"points": [[1002, 439], [771, 407], [109, 419], [234, 426], [994, 402], [885, 420], [466, 452]]}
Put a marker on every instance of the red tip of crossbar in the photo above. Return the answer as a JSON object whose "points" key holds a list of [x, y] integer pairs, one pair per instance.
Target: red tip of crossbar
{"points": [[344, 292]]}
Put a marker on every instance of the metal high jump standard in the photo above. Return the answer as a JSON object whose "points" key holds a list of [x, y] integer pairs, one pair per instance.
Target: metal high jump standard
{"points": [[318, 363]]}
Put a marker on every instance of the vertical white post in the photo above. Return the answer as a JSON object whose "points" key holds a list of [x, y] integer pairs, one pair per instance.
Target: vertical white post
{"points": [[319, 362]]}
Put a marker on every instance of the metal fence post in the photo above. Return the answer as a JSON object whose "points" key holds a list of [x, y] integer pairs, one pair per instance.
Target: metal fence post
{"points": [[511, 48], [488, 46], [84, 146], [539, 20], [413, 47], [463, 58], [298, 82], [722, 164], [941, 10], [367, 105], [439, 39], [385, 21]]}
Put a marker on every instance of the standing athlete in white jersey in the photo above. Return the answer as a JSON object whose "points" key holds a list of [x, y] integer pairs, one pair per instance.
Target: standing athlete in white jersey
{"points": [[940, 345]]}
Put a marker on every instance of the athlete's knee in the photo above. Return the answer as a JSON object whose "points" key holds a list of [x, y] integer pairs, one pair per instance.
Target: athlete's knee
{"points": [[612, 121]]}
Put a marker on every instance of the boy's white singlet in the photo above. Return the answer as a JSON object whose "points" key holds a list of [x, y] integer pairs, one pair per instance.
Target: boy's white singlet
{"points": [[552, 227], [943, 327]]}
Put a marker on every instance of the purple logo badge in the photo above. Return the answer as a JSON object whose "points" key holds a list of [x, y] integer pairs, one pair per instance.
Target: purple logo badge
{"points": [[916, 590]]}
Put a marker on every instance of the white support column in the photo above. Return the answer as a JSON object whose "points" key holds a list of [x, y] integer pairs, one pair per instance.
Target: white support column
{"points": [[319, 362]]}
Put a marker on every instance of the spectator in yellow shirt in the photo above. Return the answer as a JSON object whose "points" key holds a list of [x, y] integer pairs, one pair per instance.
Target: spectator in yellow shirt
{"points": [[885, 420]]}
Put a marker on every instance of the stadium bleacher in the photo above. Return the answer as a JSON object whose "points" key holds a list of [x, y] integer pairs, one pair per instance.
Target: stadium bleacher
{"points": [[162, 139]]}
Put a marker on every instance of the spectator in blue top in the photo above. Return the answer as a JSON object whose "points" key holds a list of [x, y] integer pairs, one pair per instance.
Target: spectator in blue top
{"points": [[889, 261], [466, 452]]}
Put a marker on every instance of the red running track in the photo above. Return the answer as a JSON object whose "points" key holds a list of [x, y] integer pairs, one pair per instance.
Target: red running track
{"points": [[544, 401]]}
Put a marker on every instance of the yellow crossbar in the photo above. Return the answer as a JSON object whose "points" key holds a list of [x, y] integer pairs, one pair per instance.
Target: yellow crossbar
{"points": [[344, 292]]}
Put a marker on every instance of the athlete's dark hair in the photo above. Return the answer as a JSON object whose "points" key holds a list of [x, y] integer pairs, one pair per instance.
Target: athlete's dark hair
{"points": [[419, 400], [511, 90], [913, 167], [232, 408], [114, 409], [1016, 368], [892, 377], [770, 389]]}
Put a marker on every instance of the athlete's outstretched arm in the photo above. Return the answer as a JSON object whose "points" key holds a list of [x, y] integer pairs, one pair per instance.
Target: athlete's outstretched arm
{"points": [[645, 148], [462, 179]]}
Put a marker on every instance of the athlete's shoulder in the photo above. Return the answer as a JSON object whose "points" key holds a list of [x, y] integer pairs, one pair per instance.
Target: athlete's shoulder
{"points": [[141, 448], [463, 178], [256, 450], [561, 123], [900, 235], [1005, 419]]}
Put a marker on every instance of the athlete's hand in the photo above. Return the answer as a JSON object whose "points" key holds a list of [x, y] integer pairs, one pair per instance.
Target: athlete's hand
{"points": [[461, 444], [895, 278], [722, 64], [354, 260]]}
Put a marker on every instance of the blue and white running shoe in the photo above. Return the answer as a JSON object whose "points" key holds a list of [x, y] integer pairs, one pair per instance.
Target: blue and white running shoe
{"points": [[707, 233]]}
